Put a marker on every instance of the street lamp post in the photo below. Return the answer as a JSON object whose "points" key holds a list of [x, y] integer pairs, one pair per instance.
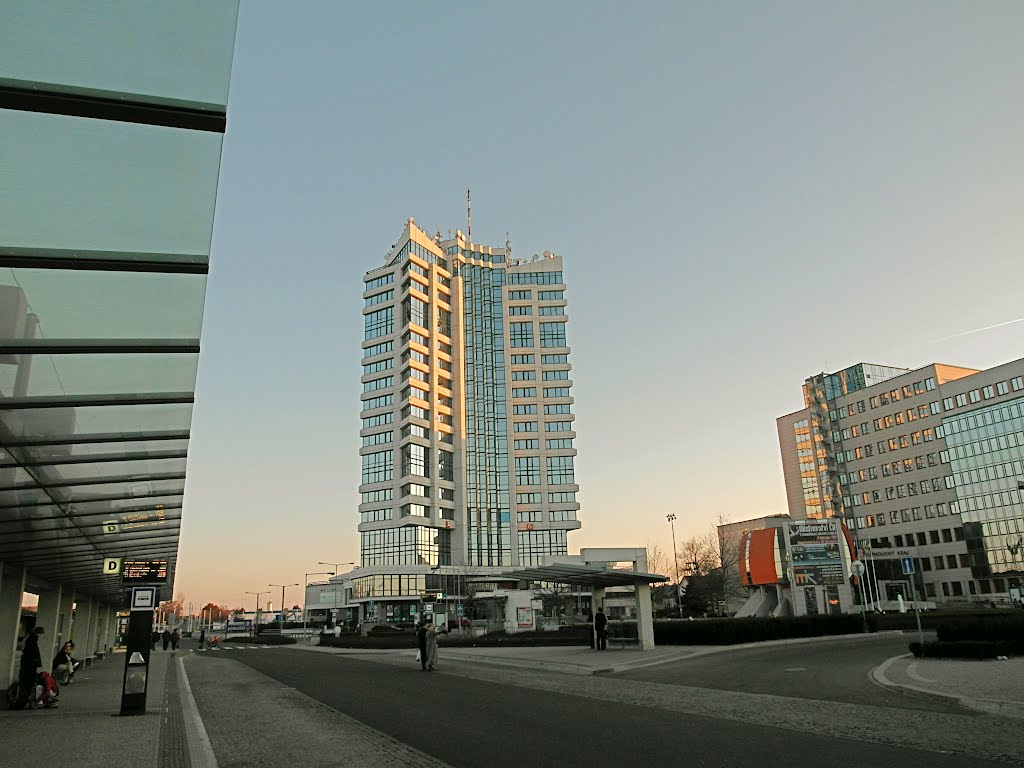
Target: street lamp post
{"points": [[256, 621], [282, 586], [675, 559], [334, 613]]}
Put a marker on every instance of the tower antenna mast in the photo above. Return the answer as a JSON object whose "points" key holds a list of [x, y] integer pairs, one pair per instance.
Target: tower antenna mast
{"points": [[469, 217]]}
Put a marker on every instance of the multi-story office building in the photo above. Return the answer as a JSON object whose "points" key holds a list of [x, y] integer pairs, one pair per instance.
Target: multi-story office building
{"points": [[922, 463], [467, 424]]}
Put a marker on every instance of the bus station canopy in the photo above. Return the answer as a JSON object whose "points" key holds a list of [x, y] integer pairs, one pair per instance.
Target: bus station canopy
{"points": [[581, 575]]}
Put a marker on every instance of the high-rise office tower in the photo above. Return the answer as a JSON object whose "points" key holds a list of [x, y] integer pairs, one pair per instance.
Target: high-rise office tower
{"points": [[467, 425]]}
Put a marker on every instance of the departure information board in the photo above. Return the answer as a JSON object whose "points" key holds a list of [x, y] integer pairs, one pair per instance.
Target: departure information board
{"points": [[144, 572]]}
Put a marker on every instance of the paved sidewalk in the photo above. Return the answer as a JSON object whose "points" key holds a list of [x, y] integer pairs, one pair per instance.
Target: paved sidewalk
{"points": [[85, 731], [996, 687]]}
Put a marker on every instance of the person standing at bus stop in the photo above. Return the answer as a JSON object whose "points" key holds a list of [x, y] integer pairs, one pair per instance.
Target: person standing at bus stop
{"points": [[421, 642], [601, 629]]}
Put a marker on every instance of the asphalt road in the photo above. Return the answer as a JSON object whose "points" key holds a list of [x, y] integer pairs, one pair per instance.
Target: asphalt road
{"points": [[470, 723], [837, 670]]}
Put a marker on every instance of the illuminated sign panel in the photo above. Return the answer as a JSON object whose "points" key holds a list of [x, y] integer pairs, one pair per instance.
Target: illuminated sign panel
{"points": [[815, 551], [144, 572]]}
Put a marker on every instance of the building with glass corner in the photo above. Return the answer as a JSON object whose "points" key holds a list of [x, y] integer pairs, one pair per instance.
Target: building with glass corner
{"points": [[467, 434], [923, 463], [112, 119]]}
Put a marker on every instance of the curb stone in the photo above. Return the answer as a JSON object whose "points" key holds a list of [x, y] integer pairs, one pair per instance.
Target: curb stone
{"points": [[1000, 707]]}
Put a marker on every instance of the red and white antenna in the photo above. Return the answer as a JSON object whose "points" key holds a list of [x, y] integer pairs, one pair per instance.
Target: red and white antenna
{"points": [[469, 217]]}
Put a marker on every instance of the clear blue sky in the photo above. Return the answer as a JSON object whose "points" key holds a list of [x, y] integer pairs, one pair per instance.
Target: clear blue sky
{"points": [[744, 194]]}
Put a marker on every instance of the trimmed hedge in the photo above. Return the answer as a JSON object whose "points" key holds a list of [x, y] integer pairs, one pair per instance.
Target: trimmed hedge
{"points": [[986, 628], [756, 629], [263, 640], [968, 649], [930, 620], [565, 636]]}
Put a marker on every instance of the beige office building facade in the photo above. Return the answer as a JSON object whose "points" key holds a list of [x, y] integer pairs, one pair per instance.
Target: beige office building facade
{"points": [[923, 463], [468, 432]]}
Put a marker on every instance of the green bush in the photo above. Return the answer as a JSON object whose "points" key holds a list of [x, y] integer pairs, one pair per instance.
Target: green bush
{"points": [[756, 629], [989, 627], [968, 649]]}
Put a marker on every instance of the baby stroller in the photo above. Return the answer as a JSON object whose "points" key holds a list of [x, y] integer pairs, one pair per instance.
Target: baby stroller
{"points": [[47, 691], [44, 693]]}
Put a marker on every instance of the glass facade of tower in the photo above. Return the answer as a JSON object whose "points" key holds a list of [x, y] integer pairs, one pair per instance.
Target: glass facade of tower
{"points": [[985, 452], [489, 526]]}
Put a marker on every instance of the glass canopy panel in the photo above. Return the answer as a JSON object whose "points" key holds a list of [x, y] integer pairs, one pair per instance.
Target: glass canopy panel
{"points": [[128, 469], [25, 498], [84, 304], [127, 419], [104, 374], [155, 49], [117, 542], [14, 476], [78, 494], [127, 449], [127, 507], [81, 184], [116, 525], [82, 450]]}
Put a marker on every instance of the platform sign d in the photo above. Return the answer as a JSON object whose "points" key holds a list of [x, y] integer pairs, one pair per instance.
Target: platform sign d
{"points": [[907, 563], [112, 566]]}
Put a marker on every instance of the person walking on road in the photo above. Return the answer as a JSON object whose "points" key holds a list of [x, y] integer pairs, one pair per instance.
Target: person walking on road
{"points": [[175, 638], [202, 638], [421, 642], [601, 629], [431, 646], [166, 636]]}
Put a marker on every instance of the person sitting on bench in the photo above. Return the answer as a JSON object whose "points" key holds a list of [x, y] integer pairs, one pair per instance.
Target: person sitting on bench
{"points": [[64, 664]]}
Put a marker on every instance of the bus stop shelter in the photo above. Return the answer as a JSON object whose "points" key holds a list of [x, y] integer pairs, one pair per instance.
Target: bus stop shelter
{"points": [[590, 569]]}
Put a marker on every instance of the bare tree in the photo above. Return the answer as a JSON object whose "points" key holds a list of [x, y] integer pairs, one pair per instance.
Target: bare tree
{"points": [[663, 595], [553, 596], [175, 606], [695, 556], [659, 562], [726, 545]]}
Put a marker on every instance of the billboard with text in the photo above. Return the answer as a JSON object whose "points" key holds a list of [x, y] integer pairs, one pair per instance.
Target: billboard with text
{"points": [[815, 553]]}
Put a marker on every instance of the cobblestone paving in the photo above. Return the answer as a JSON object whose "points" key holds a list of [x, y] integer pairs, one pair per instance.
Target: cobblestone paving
{"points": [[970, 733], [251, 718], [172, 750]]}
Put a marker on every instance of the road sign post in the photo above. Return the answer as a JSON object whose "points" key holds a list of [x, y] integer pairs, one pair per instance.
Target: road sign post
{"points": [[857, 568], [907, 566]]}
